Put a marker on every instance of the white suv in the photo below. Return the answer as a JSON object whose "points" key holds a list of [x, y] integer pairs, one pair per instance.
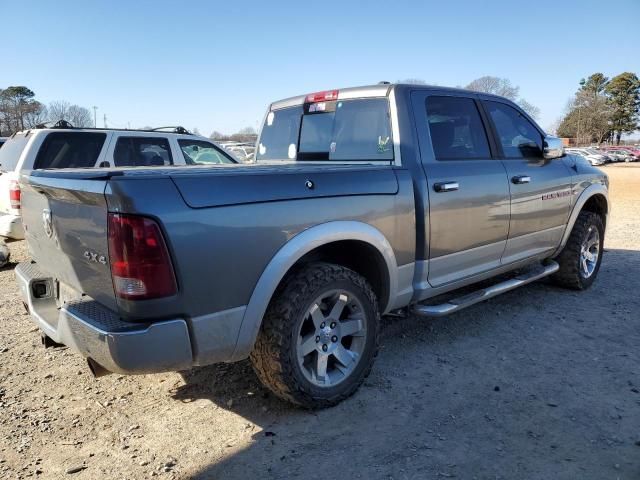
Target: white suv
{"points": [[80, 148]]}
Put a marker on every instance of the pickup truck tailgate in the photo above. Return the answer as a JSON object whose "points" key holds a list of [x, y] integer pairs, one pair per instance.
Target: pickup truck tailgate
{"points": [[65, 222]]}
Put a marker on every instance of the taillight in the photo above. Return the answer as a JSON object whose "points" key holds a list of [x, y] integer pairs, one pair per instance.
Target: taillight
{"points": [[14, 194], [140, 265], [326, 96]]}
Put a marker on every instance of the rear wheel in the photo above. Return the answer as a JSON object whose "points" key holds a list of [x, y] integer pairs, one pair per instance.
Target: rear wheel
{"points": [[581, 257], [319, 337]]}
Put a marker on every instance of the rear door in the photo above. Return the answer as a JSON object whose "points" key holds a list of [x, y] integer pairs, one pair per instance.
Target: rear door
{"points": [[468, 187], [540, 189]]}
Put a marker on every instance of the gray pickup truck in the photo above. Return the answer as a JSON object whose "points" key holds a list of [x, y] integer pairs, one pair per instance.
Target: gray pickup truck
{"points": [[361, 202]]}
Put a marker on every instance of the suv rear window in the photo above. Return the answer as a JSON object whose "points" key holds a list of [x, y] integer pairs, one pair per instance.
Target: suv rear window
{"points": [[338, 130], [70, 150], [11, 151], [142, 152]]}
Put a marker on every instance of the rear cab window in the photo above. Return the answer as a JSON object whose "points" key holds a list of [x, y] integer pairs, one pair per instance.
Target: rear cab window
{"points": [[142, 152], [70, 150], [456, 129], [340, 130], [12, 150]]}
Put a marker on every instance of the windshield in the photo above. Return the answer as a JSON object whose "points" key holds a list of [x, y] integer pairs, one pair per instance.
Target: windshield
{"points": [[11, 151], [336, 131]]}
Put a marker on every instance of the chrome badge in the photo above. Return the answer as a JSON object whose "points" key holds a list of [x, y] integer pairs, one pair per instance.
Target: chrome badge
{"points": [[47, 222]]}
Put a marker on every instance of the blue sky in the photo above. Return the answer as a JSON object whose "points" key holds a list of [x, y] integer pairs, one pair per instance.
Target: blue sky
{"points": [[217, 65]]}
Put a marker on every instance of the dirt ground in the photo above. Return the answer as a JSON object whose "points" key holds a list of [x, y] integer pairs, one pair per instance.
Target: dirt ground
{"points": [[540, 383]]}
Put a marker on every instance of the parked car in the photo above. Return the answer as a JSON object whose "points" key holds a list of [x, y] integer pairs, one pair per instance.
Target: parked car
{"points": [[618, 156], [634, 153], [596, 159], [362, 201], [75, 148], [2, 140]]}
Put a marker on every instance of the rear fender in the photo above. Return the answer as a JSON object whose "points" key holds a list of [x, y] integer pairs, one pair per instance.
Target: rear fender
{"points": [[290, 253]]}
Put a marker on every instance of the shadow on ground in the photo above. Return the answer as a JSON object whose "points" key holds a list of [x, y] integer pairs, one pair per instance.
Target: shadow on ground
{"points": [[537, 383]]}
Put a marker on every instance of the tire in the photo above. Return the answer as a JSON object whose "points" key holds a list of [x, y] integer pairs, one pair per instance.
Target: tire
{"points": [[572, 273], [303, 315]]}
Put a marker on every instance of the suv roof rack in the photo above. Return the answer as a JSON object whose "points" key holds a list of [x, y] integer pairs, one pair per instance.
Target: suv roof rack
{"points": [[176, 129], [63, 124]]}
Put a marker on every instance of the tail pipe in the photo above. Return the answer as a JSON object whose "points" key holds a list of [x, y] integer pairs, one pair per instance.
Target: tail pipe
{"points": [[97, 370]]}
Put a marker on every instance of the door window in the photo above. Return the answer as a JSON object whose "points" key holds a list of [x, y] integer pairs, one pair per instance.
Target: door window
{"points": [[199, 152], [517, 135], [456, 129], [142, 152]]}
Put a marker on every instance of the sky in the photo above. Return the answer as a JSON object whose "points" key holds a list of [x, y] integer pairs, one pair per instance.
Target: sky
{"points": [[217, 65]]}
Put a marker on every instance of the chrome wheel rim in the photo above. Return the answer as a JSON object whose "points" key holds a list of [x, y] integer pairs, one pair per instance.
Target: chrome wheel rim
{"points": [[331, 338], [589, 252]]}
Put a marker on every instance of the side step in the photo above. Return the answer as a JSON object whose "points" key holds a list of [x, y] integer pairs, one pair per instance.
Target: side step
{"points": [[453, 305]]}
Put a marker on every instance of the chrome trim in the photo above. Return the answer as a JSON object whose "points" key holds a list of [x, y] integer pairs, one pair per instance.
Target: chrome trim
{"points": [[443, 187], [553, 147], [395, 128], [480, 295], [520, 179]]}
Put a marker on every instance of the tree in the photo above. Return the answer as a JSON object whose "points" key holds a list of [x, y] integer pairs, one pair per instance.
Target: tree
{"points": [[589, 113], [504, 88], [77, 116], [215, 135], [16, 106], [624, 91]]}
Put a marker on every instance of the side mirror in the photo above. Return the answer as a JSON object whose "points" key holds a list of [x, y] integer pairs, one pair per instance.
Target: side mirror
{"points": [[553, 148]]}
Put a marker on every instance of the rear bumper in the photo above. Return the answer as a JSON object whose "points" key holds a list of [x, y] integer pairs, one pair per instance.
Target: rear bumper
{"points": [[11, 226], [98, 333]]}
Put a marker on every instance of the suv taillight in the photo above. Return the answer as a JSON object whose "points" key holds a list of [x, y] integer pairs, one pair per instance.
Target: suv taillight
{"points": [[14, 194], [140, 264]]}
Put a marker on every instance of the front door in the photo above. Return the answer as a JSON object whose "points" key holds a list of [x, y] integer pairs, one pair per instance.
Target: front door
{"points": [[468, 187], [540, 189]]}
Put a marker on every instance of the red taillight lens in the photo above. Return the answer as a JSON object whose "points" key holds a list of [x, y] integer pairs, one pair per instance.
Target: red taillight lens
{"points": [[326, 96], [14, 194], [140, 264]]}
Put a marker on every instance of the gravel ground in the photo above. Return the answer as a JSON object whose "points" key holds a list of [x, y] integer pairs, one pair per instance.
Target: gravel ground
{"points": [[538, 383]]}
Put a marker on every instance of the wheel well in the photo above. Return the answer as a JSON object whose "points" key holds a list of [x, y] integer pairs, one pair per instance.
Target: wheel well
{"points": [[597, 204], [361, 257]]}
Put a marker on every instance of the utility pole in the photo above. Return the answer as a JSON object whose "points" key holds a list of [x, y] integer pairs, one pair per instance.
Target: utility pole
{"points": [[104, 119], [95, 123]]}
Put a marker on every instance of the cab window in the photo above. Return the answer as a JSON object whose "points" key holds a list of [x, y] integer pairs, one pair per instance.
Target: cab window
{"points": [[456, 129], [516, 134]]}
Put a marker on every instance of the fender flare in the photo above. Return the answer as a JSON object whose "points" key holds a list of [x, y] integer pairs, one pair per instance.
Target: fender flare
{"points": [[587, 193], [289, 254]]}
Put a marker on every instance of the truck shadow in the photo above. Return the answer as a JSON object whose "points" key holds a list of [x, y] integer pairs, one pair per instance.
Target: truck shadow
{"points": [[490, 392]]}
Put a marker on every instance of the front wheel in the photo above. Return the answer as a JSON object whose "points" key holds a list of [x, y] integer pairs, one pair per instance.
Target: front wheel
{"points": [[582, 255], [319, 337]]}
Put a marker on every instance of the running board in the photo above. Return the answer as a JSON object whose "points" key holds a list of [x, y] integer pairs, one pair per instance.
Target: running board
{"points": [[453, 305]]}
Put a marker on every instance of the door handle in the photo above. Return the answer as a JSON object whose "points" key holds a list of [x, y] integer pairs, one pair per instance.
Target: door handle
{"points": [[520, 179], [446, 187]]}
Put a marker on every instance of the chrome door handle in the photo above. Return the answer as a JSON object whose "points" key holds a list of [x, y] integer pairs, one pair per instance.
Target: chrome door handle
{"points": [[520, 179], [446, 187]]}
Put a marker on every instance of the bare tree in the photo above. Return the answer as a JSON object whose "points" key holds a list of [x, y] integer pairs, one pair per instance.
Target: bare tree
{"points": [[74, 114], [496, 86], [504, 88], [58, 110], [80, 117]]}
